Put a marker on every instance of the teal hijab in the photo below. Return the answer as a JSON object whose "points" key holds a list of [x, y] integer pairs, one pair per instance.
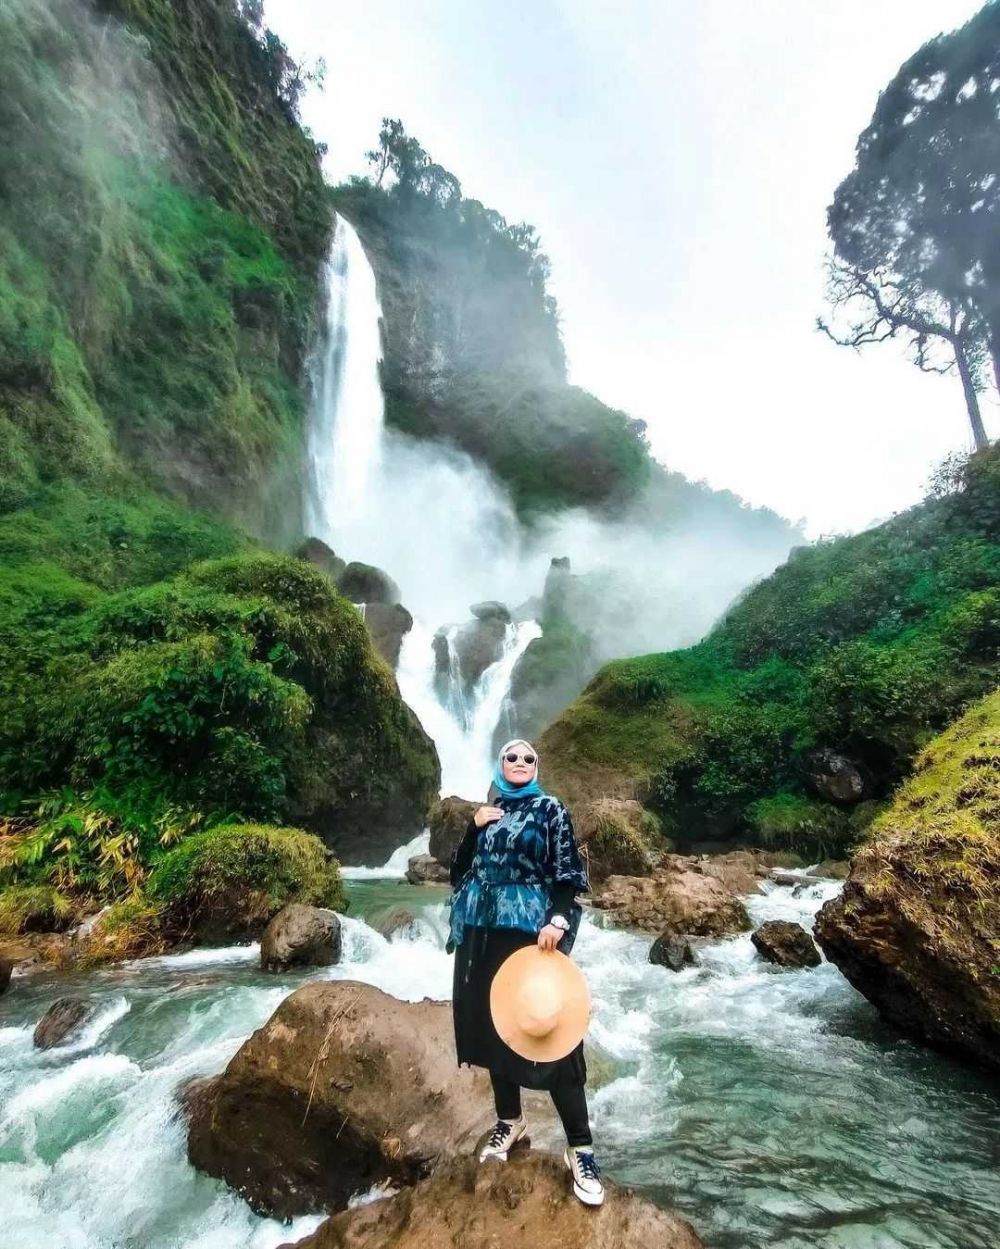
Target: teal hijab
{"points": [[531, 789]]}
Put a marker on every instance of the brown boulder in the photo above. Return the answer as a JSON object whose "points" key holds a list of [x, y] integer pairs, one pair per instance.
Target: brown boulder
{"points": [[616, 837], [392, 921], [6, 970], [737, 870], [301, 936], [524, 1202], [677, 900], [448, 821], [424, 869], [787, 944], [61, 1022], [342, 1088]]}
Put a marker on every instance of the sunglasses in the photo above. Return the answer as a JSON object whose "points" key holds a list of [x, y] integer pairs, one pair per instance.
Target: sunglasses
{"points": [[512, 757]]}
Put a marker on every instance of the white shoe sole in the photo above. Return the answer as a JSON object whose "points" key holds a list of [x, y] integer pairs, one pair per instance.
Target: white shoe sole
{"points": [[581, 1194]]}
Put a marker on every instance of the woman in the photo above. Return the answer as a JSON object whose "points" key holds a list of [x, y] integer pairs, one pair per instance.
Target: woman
{"points": [[514, 878]]}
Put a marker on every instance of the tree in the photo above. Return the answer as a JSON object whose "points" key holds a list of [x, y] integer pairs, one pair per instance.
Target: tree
{"points": [[942, 334], [919, 215]]}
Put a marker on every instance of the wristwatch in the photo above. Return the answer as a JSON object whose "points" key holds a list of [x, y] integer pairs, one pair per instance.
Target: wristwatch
{"points": [[560, 921]]}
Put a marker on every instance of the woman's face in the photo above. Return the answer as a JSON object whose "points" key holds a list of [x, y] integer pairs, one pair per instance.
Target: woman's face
{"points": [[516, 768]]}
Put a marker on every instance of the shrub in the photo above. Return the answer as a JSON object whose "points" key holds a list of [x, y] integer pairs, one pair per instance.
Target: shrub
{"points": [[34, 908]]}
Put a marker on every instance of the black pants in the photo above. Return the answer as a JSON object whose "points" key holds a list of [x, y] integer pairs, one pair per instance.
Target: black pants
{"points": [[570, 1101]]}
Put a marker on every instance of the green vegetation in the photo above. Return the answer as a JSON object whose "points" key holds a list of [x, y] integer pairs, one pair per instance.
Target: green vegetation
{"points": [[34, 908], [162, 227], [867, 645]]}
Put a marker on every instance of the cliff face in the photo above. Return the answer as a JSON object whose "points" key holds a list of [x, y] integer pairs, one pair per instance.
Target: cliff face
{"points": [[806, 705], [162, 227]]}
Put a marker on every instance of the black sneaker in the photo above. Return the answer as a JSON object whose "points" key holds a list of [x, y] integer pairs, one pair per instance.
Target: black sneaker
{"points": [[505, 1133]]}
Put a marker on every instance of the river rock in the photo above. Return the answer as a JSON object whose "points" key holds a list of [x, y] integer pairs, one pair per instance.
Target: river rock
{"points": [[364, 583], [615, 836], [836, 777], [424, 869], [387, 625], [525, 1203], [301, 936], [833, 869], [393, 920], [6, 971], [62, 1022], [344, 1087], [787, 944], [317, 553], [676, 899], [671, 951], [448, 821], [739, 871]]}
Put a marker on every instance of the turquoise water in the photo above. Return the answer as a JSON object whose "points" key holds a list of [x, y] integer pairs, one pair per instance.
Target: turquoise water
{"points": [[772, 1108]]}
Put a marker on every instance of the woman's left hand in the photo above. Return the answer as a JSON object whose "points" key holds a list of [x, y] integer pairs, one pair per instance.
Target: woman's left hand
{"points": [[549, 937]]}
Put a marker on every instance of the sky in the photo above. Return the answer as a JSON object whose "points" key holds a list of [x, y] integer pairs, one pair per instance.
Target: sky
{"points": [[677, 158]]}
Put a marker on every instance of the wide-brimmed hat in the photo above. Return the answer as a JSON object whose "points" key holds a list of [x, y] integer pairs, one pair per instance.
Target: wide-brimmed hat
{"points": [[540, 1003]]}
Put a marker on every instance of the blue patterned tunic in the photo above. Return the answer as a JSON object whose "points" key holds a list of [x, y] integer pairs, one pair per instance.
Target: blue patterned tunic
{"points": [[517, 863]]}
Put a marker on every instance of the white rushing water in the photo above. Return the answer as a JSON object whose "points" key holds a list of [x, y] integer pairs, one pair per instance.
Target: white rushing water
{"points": [[769, 1105]]}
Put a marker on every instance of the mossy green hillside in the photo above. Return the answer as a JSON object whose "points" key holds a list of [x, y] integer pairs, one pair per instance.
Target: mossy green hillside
{"points": [[867, 645], [155, 302]]}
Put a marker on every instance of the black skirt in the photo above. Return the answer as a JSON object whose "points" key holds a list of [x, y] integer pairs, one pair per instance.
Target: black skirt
{"points": [[477, 961]]}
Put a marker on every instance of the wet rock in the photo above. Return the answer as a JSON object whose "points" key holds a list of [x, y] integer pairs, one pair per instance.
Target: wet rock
{"points": [[836, 777], [424, 869], [739, 871], [394, 920], [524, 1202], [786, 944], [62, 1022], [671, 951], [6, 971], [491, 610], [301, 936], [448, 821], [387, 625], [344, 1087], [317, 553], [364, 583], [676, 899], [832, 869]]}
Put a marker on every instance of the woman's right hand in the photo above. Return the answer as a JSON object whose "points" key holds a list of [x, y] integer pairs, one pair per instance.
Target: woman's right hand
{"points": [[486, 815]]}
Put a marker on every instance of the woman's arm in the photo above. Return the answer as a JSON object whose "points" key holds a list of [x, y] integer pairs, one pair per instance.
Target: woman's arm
{"points": [[567, 871], [461, 856]]}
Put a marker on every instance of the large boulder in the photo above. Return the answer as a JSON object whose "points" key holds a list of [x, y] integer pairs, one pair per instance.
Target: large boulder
{"points": [[342, 1088], [917, 926], [226, 884], [786, 944], [617, 837], [316, 552], [524, 1202], [671, 951], [837, 777], [424, 869], [449, 819], [6, 971], [364, 583], [676, 899], [739, 871], [387, 624], [62, 1022], [477, 644], [301, 936]]}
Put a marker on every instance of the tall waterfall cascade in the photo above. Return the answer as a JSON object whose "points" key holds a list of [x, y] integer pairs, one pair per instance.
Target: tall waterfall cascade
{"points": [[432, 522]]}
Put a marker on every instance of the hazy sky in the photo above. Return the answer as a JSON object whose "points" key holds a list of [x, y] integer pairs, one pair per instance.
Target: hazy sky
{"points": [[677, 158]]}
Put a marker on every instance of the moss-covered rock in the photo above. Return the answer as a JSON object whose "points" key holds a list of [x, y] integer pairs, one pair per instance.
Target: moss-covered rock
{"points": [[226, 884], [617, 837], [917, 926]]}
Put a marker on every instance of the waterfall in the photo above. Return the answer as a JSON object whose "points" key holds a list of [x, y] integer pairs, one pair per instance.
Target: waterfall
{"points": [[433, 520]]}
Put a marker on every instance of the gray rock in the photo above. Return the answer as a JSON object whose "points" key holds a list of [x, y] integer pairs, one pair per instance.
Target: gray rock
{"points": [[671, 951], [62, 1022], [490, 610], [836, 777], [301, 936], [387, 625], [786, 944], [316, 552], [448, 821], [393, 921], [424, 869], [364, 583]]}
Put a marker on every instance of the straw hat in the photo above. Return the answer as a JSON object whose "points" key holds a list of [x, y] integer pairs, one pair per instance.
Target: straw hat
{"points": [[540, 1003]]}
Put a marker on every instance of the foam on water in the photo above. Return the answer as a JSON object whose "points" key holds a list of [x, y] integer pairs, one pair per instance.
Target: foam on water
{"points": [[395, 866]]}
